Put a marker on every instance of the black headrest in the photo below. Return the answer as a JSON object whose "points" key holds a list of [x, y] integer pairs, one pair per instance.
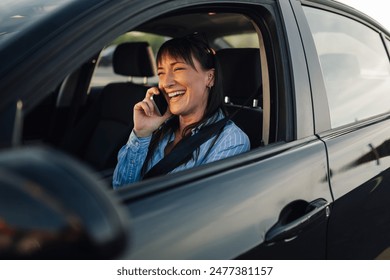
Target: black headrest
{"points": [[241, 72], [134, 59]]}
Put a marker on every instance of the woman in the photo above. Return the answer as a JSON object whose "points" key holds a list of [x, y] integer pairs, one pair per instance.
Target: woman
{"points": [[188, 78]]}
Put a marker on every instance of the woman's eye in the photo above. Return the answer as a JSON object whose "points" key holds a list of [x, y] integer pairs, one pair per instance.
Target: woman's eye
{"points": [[178, 68]]}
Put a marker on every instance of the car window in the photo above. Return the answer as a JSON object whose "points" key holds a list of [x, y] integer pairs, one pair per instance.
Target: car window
{"points": [[88, 108], [354, 64]]}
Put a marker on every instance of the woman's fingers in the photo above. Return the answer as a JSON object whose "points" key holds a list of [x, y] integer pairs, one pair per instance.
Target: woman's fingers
{"points": [[148, 105], [150, 92], [146, 119], [145, 106]]}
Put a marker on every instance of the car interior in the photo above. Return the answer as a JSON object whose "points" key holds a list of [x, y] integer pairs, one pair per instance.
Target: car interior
{"points": [[90, 116]]}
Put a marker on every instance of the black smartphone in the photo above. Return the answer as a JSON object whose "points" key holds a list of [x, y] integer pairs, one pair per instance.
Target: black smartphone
{"points": [[160, 103]]}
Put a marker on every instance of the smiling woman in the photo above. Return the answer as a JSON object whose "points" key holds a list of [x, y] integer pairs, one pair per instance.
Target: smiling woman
{"points": [[188, 73]]}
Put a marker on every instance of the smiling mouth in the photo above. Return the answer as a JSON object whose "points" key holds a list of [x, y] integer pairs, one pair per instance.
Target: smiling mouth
{"points": [[176, 93]]}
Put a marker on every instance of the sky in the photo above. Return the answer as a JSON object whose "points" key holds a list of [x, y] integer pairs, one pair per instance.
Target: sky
{"points": [[376, 9]]}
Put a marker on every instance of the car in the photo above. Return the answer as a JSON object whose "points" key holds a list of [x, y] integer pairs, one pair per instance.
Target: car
{"points": [[308, 81]]}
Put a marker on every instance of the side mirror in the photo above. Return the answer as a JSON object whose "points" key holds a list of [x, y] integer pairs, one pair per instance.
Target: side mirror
{"points": [[52, 207]]}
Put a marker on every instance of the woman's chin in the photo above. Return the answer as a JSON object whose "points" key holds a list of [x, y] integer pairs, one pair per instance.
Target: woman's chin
{"points": [[175, 111], [175, 108]]}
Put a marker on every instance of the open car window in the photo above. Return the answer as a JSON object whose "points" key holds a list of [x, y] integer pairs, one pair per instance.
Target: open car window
{"points": [[89, 117]]}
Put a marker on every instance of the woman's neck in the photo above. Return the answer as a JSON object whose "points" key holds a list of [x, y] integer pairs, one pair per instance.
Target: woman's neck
{"points": [[185, 121]]}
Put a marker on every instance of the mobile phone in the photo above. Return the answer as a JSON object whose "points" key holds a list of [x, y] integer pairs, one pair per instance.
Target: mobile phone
{"points": [[160, 103]]}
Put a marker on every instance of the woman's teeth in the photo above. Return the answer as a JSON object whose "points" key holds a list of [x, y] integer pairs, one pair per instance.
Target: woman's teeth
{"points": [[176, 93]]}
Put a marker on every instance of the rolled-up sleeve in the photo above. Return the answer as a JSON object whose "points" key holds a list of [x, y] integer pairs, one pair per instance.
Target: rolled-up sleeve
{"points": [[130, 160]]}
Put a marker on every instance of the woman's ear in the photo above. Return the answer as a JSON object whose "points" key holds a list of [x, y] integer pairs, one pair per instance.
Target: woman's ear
{"points": [[210, 78]]}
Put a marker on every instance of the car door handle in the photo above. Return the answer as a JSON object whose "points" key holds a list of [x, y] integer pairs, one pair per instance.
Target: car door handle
{"points": [[295, 217]]}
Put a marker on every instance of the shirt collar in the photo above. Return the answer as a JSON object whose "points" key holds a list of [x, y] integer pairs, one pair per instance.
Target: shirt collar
{"points": [[214, 118]]}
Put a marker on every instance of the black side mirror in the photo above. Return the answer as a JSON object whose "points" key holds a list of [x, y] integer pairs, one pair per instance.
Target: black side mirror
{"points": [[52, 207]]}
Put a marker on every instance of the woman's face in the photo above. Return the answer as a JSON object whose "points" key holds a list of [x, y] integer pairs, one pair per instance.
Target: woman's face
{"points": [[185, 86]]}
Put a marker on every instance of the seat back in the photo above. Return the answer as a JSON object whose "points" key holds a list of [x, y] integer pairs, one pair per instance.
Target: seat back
{"points": [[105, 127], [250, 120], [241, 74], [241, 79]]}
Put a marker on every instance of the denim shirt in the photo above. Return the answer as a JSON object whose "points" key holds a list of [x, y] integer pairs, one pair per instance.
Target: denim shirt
{"points": [[232, 141]]}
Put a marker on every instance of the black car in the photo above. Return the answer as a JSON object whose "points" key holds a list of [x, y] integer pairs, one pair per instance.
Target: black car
{"points": [[308, 81]]}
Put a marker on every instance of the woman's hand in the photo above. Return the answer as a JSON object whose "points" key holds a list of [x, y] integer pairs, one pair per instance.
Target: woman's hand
{"points": [[146, 120]]}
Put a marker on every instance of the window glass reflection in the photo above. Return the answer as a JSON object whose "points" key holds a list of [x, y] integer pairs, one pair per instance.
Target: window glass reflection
{"points": [[355, 66]]}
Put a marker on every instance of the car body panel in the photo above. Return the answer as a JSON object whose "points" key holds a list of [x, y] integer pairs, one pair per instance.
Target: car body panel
{"points": [[359, 162]]}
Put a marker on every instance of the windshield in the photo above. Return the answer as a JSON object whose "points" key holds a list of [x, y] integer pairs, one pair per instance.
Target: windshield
{"points": [[17, 14]]}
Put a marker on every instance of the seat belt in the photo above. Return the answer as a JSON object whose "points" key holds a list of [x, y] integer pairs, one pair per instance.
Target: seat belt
{"points": [[185, 148]]}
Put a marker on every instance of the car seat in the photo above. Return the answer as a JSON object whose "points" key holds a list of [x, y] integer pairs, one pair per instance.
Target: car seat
{"points": [[105, 127], [242, 86]]}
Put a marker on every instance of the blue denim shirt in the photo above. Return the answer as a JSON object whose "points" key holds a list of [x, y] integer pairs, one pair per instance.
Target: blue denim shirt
{"points": [[232, 141]]}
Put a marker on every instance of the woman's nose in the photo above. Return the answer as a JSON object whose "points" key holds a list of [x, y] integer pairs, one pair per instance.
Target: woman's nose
{"points": [[167, 81]]}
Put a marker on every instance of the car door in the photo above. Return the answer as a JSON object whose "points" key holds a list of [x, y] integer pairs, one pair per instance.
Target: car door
{"points": [[226, 210], [272, 202], [356, 72]]}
